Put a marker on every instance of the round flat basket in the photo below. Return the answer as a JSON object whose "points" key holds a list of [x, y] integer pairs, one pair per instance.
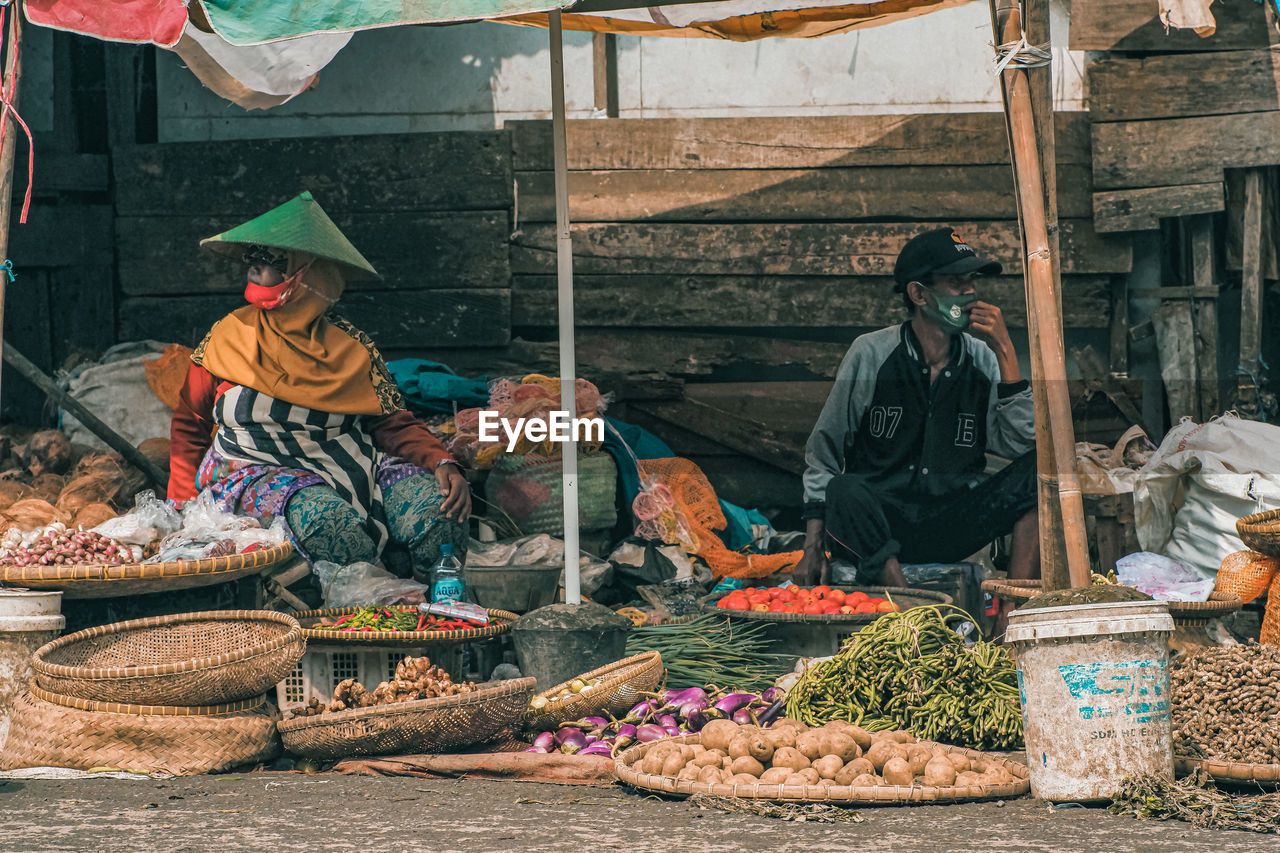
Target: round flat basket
{"points": [[1229, 771], [147, 710], [499, 623], [57, 736], [1261, 532], [1183, 612], [621, 685], [77, 581], [904, 597], [836, 794], [421, 726], [209, 658]]}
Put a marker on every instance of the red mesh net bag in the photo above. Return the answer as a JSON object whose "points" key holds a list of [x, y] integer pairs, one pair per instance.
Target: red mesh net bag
{"points": [[1246, 574], [1271, 619], [694, 498]]}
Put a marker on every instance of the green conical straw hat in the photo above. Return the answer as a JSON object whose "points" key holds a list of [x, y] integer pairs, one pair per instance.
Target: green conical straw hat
{"points": [[301, 225]]}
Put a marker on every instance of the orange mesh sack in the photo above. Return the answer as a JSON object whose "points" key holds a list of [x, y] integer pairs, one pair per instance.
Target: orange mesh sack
{"points": [[694, 517], [1246, 574], [1271, 619]]}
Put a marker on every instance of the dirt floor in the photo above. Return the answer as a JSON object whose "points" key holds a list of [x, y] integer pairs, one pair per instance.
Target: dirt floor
{"points": [[289, 811]]}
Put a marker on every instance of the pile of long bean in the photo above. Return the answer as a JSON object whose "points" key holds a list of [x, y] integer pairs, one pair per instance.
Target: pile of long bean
{"points": [[910, 670], [711, 650]]}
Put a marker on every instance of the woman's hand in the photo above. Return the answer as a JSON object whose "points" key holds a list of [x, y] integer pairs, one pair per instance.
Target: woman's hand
{"points": [[456, 491]]}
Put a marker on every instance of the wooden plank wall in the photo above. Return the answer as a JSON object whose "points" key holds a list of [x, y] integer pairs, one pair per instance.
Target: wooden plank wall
{"points": [[705, 250], [1172, 112], [429, 211]]}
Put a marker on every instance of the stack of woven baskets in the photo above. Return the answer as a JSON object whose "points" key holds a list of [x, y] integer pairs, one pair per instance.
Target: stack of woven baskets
{"points": [[177, 694]]}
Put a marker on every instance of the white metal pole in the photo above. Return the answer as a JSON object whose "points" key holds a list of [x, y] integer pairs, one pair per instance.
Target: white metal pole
{"points": [[564, 292]]}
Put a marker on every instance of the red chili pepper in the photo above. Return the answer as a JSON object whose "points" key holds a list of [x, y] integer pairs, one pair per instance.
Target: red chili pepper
{"points": [[344, 620], [422, 620]]}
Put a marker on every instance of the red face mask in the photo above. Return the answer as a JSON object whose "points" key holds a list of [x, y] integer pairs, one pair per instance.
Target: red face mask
{"points": [[272, 296]]}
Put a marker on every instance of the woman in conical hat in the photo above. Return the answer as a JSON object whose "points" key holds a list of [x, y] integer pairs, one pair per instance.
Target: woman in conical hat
{"points": [[289, 411]]}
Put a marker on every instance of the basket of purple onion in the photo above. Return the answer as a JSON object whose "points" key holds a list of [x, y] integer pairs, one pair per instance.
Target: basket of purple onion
{"points": [[667, 714]]}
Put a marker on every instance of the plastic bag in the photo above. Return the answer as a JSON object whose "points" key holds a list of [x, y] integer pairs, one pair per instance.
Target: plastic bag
{"points": [[1201, 479], [364, 584], [149, 520], [1162, 578]]}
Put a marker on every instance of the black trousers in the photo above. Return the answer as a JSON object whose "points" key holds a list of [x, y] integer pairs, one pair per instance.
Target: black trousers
{"points": [[868, 526]]}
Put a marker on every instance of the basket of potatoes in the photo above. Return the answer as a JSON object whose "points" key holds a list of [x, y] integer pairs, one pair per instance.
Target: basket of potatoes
{"points": [[837, 763]]}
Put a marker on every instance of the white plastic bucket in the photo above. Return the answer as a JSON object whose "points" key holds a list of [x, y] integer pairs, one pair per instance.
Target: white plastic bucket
{"points": [[1094, 680], [28, 620]]}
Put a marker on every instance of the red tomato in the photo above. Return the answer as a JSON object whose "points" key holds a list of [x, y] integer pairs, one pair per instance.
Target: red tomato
{"points": [[821, 591], [864, 607], [875, 600], [731, 603], [830, 607], [778, 607], [836, 595], [847, 609], [774, 591], [786, 595], [760, 607], [886, 607], [814, 609], [856, 596]]}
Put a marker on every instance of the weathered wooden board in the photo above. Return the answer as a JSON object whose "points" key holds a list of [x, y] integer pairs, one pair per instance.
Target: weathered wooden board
{"points": [[57, 171], [81, 296], [753, 302], [744, 435], [399, 318], [747, 482], [411, 250], [792, 142], [809, 248], [1179, 151], [62, 235], [908, 192], [1126, 88], [1176, 345], [1134, 25], [352, 174], [1142, 210], [26, 326]]}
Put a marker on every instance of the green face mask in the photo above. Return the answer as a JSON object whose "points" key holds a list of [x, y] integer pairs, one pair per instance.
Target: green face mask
{"points": [[950, 314]]}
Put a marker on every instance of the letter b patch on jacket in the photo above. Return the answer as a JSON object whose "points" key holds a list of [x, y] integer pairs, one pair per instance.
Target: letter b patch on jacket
{"points": [[966, 430]]}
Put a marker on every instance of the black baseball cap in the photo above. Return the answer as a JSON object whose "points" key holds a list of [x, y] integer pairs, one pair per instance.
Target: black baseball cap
{"points": [[941, 250]]}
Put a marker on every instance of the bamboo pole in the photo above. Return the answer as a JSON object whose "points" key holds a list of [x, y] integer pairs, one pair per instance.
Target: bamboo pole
{"points": [[564, 293], [8, 146], [1055, 432]]}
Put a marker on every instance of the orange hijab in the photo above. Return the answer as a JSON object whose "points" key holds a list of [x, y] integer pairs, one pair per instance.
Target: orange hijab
{"points": [[293, 353]]}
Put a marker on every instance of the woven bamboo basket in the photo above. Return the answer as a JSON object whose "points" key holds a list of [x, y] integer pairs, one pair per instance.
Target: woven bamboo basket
{"points": [[1235, 772], [1261, 532], [904, 597], [422, 726], [499, 623], [147, 710], [208, 658], [887, 795], [622, 684], [48, 735], [77, 581], [1183, 612]]}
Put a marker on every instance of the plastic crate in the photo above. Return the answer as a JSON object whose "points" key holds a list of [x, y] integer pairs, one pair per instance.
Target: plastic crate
{"points": [[321, 670]]}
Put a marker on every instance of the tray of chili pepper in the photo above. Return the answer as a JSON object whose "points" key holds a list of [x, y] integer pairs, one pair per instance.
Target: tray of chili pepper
{"points": [[396, 624]]}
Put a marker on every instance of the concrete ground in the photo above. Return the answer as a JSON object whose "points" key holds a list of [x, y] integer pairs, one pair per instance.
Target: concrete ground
{"points": [[272, 812]]}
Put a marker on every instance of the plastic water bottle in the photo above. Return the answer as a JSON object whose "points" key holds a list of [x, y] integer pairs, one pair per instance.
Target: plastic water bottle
{"points": [[446, 577]]}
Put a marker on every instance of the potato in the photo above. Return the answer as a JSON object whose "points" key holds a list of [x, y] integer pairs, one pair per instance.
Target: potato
{"points": [[860, 736], [960, 762], [840, 745], [739, 746], [698, 749], [968, 777], [881, 751], [780, 737], [790, 757], [787, 722], [672, 764], [760, 747], [743, 779], [796, 779], [686, 752], [828, 766], [708, 758], [897, 772], [997, 775], [775, 775], [725, 762], [900, 736], [939, 771], [826, 783], [717, 734], [810, 745], [810, 775], [745, 764], [854, 769], [689, 773], [650, 763], [866, 780], [664, 748], [710, 775], [918, 756]]}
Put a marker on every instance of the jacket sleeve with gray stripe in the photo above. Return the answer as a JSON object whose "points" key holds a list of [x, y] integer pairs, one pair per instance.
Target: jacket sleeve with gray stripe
{"points": [[1011, 420]]}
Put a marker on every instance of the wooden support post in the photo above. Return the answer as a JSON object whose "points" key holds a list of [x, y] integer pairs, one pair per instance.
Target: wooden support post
{"points": [[1065, 564], [1206, 315], [1120, 327], [604, 65], [1248, 400], [114, 440], [9, 144]]}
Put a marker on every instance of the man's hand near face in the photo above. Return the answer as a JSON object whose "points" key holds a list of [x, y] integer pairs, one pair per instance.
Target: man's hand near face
{"points": [[986, 323]]}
